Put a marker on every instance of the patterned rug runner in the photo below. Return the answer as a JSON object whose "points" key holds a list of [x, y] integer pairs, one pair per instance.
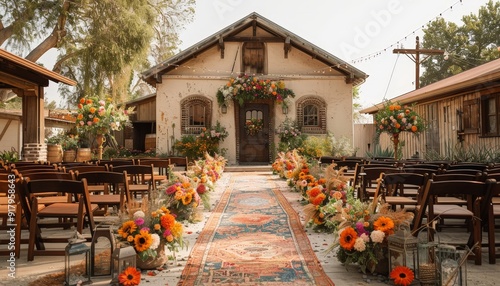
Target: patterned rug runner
{"points": [[253, 237]]}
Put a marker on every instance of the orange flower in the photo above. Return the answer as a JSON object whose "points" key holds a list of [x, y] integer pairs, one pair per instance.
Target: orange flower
{"points": [[96, 120], [414, 128], [92, 110], [167, 221], [318, 199], [384, 224], [313, 192], [402, 275], [348, 238], [391, 107], [130, 277], [127, 228], [89, 101], [143, 241]]}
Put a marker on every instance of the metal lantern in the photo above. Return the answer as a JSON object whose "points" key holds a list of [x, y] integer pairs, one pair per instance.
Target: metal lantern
{"points": [[452, 268], [74, 273], [122, 258], [402, 247], [101, 249], [427, 261]]}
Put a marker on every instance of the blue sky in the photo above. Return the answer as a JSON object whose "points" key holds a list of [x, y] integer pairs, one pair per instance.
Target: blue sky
{"points": [[360, 32]]}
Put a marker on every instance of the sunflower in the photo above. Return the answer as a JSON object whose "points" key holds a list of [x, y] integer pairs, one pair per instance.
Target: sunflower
{"points": [[143, 241], [348, 238], [402, 275], [384, 224], [130, 277], [186, 200], [127, 228]]}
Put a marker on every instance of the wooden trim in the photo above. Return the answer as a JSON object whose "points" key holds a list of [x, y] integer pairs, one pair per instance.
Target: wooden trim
{"points": [[5, 128]]}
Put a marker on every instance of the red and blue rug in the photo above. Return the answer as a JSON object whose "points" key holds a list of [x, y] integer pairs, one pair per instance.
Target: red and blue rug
{"points": [[253, 237]]}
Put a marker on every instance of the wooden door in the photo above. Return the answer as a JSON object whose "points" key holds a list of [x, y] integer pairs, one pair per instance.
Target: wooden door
{"points": [[254, 124]]}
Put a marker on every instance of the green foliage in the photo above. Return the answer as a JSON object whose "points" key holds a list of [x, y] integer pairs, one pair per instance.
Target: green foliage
{"points": [[9, 156], [290, 135], [315, 147], [195, 146], [475, 153], [473, 43], [341, 147], [379, 152]]}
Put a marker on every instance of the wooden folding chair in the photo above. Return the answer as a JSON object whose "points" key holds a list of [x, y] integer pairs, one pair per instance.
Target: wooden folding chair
{"points": [[369, 177], [11, 214], [80, 209], [472, 189], [113, 191], [391, 189], [137, 177], [162, 165], [181, 163]]}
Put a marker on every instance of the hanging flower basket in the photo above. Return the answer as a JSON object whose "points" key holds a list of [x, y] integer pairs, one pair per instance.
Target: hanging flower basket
{"points": [[247, 88]]}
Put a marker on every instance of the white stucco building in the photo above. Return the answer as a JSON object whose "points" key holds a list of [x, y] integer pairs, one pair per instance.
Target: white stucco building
{"points": [[187, 84]]}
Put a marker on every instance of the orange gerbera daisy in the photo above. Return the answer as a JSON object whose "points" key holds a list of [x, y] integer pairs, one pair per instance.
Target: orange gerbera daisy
{"points": [[130, 277], [402, 275], [143, 241], [385, 224], [348, 238], [127, 228]]}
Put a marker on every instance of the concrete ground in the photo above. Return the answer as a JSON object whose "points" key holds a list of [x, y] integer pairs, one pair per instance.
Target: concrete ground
{"points": [[25, 272]]}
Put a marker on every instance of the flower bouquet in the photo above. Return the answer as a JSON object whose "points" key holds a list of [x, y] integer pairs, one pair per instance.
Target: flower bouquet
{"points": [[99, 116], [181, 196], [149, 229], [362, 229]]}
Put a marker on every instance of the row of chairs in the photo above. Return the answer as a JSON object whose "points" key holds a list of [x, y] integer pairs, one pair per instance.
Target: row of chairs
{"points": [[458, 199], [44, 191]]}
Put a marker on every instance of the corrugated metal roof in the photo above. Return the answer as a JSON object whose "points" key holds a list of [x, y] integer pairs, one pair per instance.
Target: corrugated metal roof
{"points": [[473, 79]]}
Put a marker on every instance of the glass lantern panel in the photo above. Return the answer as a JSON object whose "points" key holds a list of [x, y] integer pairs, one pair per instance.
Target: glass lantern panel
{"points": [[102, 256]]}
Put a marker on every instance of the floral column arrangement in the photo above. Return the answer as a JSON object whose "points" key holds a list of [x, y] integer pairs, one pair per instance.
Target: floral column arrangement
{"points": [[98, 117], [394, 119]]}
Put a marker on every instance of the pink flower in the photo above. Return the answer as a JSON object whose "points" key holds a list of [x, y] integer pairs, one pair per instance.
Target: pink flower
{"points": [[139, 221]]}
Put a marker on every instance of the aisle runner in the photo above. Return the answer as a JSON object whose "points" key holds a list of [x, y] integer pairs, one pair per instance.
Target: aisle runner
{"points": [[253, 237]]}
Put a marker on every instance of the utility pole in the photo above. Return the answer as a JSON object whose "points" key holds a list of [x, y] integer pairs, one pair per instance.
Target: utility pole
{"points": [[414, 55]]}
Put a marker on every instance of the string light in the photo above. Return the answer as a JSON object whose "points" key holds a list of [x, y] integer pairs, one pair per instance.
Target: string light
{"points": [[376, 54]]}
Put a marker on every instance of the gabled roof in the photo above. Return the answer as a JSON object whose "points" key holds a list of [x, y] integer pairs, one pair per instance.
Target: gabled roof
{"points": [[353, 75], [13, 68], [476, 78]]}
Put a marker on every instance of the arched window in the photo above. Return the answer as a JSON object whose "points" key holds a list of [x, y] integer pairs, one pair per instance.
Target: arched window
{"points": [[253, 58], [196, 114], [311, 115]]}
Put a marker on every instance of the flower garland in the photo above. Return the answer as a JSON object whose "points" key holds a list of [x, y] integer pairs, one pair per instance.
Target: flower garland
{"points": [[245, 88]]}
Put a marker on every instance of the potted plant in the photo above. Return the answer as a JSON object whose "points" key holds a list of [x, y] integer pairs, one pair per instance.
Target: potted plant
{"points": [[54, 149], [69, 145]]}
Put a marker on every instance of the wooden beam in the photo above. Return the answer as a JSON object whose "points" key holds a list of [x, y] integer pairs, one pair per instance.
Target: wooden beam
{"points": [[5, 128], [254, 28], [287, 47], [254, 39], [221, 47], [16, 82]]}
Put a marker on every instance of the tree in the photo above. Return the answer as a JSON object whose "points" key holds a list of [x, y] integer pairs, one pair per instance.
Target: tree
{"points": [[100, 42], [467, 46]]}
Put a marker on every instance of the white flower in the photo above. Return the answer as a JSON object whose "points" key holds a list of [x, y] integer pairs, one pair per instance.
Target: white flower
{"points": [[139, 214], [156, 241], [359, 244], [365, 237], [377, 236]]}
